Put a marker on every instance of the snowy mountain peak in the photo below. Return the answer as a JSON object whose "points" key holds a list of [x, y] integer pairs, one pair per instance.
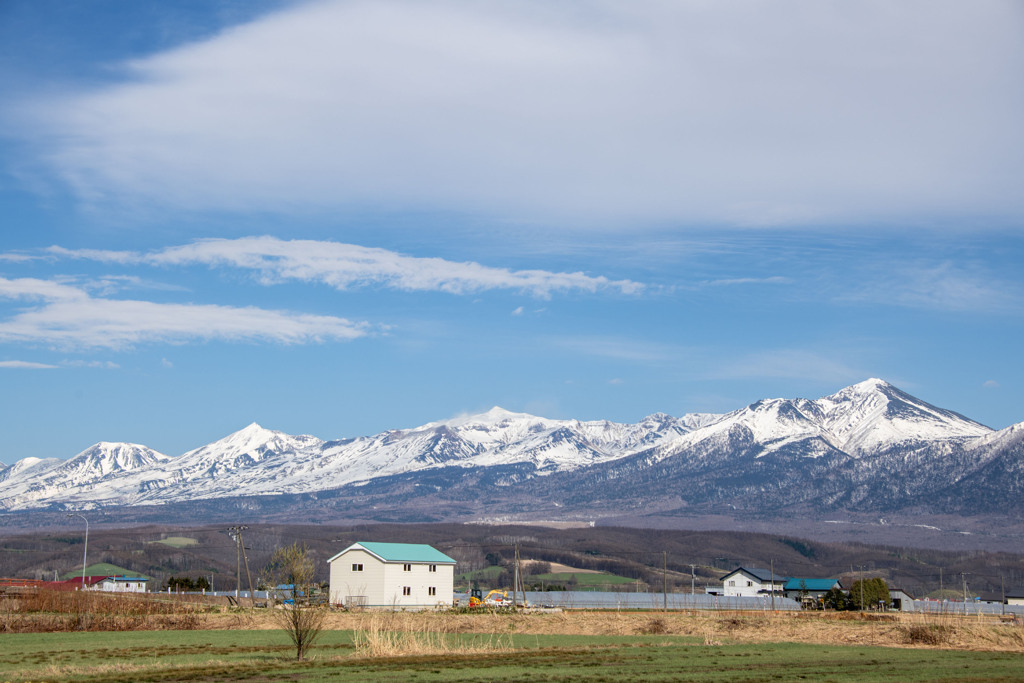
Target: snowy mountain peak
{"points": [[252, 443], [494, 416], [855, 427], [872, 413], [108, 457], [869, 385], [30, 466]]}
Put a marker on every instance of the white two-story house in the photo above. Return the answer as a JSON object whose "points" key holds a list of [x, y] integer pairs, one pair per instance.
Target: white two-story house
{"points": [[392, 575], [751, 582]]}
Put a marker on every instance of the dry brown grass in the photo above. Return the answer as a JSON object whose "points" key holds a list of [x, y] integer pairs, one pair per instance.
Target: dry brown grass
{"points": [[45, 610], [391, 630], [383, 635], [129, 670], [715, 627]]}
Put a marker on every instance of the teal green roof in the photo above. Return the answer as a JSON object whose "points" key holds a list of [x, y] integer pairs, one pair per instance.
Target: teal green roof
{"points": [[403, 552], [810, 584]]}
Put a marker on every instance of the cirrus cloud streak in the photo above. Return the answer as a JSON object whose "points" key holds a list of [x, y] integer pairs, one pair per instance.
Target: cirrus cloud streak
{"points": [[613, 112], [348, 266], [68, 317]]}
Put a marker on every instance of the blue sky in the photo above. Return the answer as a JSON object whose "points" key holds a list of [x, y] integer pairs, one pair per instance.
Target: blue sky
{"points": [[337, 218]]}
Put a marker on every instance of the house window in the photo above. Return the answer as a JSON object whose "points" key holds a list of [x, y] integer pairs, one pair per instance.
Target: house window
{"points": [[406, 567], [433, 568], [750, 583], [406, 590], [432, 591], [357, 567], [732, 583]]}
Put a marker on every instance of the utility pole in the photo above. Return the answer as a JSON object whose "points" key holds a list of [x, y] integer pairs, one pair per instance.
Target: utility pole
{"points": [[664, 579], [516, 577], [233, 532], [1002, 588], [236, 533], [85, 550], [693, 579], [773, 583], [245, 560], [861, 588]]}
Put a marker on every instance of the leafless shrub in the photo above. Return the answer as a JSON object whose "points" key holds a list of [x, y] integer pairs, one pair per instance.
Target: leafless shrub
{"points": [[731, 623], [928, 634], [709, 638], [303, 623], [654, 627]]}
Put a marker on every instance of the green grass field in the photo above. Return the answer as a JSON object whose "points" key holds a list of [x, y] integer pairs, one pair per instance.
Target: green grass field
{"points": [[177, 541], [100, 569], [582, 579], [485, 575], [243, 655]]}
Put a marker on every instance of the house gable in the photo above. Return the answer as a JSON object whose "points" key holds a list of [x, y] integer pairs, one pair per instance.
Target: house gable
{"points": [[750, 581], [396, 575]]}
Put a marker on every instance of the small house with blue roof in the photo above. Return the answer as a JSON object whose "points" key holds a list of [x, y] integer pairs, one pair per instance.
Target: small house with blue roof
{"points": [[392, 575]]}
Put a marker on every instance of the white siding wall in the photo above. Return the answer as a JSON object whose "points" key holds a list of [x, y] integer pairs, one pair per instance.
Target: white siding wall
{"points": [[123, 586], [419, 580], [367, 584], [741, 584], [382, 584]]}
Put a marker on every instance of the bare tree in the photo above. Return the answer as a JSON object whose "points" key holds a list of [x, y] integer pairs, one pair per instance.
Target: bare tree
{"points": [[303, 622]]}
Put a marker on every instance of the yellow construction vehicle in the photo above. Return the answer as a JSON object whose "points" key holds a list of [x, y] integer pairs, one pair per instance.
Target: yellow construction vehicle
{"points": [[495, 598]]}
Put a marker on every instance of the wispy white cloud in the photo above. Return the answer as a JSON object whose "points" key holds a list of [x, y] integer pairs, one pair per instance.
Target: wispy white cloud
{"points": [[761, 112], [774, 280], [991, 384], [787, 363], [68, 317], [943, 286], [621, 348], [34, 289], [14, 257], [97, 364], [26, 365], [347, 266]]}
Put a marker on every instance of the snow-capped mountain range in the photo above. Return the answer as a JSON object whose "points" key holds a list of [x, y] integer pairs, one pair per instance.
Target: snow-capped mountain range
{"points": [[867, 446]]}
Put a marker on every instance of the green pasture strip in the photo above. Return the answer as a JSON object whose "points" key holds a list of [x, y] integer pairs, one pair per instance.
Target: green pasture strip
{"points": [[485, 574], [582, 579], [100, 569], [153, 655], [268, 656], [177, 541]]}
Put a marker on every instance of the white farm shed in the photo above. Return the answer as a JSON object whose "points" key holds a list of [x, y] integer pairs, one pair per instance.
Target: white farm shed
{"points": [[394, 575], [123, 584]]}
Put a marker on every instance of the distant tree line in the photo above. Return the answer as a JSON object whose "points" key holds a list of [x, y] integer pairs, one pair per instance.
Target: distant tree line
{"points": [[863, 594], [184, 584]]}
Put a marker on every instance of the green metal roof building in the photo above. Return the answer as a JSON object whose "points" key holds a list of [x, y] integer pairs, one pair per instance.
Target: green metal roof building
{"points": [[813, 589], [392, 576]]}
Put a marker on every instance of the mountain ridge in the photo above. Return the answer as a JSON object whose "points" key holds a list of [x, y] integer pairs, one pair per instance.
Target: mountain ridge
{"points": [[868, 445]]}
